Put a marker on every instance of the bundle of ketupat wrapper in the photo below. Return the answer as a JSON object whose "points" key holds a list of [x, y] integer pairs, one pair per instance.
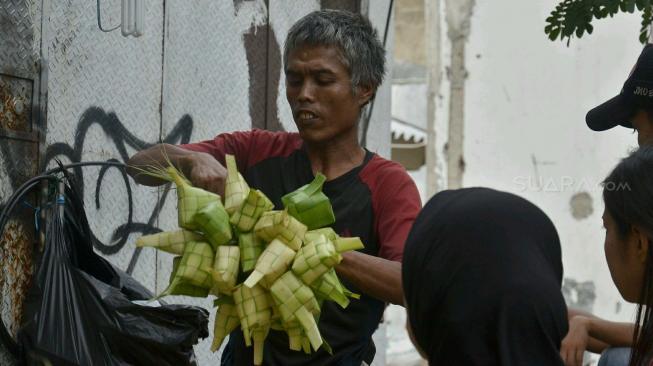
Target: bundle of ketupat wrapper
{"points": [[287, 258]]}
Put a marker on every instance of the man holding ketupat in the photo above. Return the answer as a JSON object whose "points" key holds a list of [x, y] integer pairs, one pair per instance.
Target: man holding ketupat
{"points": [[333, 63]]}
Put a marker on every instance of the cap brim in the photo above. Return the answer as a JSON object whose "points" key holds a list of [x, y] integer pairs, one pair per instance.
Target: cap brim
{"points": [[614, 112]]}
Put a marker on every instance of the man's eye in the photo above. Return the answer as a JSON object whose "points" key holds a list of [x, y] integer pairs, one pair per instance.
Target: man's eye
{"points": [[293, 80]]}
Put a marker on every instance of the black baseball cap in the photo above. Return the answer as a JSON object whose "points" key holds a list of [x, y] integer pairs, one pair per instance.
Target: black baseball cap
{"points": [[636, 93]]}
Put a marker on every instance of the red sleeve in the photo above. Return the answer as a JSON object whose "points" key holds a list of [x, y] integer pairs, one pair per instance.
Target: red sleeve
{"points": [[249, 147], [396, 203]]}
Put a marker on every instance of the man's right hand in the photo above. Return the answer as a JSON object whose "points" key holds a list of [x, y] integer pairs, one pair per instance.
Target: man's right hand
{"points": [[205, 172], [202, 169]]}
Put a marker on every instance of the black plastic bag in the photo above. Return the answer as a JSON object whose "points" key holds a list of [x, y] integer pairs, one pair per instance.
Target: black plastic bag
{"points": [[80, 310]]}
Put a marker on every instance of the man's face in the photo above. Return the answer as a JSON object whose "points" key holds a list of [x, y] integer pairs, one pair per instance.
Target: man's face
{"points": [[318, 89], [644, 127]]}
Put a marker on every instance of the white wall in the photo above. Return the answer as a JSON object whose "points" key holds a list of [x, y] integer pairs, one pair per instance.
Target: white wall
{"points": [[526, 99]]}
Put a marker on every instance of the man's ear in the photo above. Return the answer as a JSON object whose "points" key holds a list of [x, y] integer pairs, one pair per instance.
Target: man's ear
{"points": [[642, 244], [364, 94]]}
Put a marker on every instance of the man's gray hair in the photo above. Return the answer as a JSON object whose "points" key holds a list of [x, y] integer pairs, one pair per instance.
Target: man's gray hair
{"points": [[352, 34]]}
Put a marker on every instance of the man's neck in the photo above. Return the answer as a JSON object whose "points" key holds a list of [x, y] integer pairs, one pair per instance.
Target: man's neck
{"points": [[335, 158]]}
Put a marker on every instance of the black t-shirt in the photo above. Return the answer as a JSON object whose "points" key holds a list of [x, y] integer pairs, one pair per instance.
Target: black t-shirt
{"points": [[376, 201]]}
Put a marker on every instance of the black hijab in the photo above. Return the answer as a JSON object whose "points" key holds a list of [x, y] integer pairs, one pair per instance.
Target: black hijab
{"points": [[482, 272]]}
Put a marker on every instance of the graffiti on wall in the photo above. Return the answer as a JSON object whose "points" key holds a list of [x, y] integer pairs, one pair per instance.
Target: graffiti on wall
{"points": [[120, 136], [264, 66]]}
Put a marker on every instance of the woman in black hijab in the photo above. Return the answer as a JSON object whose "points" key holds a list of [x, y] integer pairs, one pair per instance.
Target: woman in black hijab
{"points": [[482, 272]]}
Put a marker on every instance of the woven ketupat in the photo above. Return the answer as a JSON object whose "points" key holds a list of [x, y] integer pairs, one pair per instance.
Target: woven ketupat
{"points": [[225, 269], [326, 231], [319, 255], [236, 189], [310, 205], [280, 225], [254, 307], [172, 242], [329, 287], [251, 247], [226, 320], [297, 339], [190, 200], [342, 244], [296, 302], [252, 208], [272, 263], [276, 294], [195, 265], [213, 220], [179, 287], [315, 258]]}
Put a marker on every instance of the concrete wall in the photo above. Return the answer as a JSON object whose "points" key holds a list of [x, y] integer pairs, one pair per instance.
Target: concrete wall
{"points": [[202, 68], [525, 130]]}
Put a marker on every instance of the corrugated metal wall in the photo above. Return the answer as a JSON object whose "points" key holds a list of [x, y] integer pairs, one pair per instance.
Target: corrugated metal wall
{"points": [[201, 68], [20, 126]]}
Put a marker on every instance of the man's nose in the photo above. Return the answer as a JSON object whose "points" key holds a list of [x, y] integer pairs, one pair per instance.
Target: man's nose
{"points": [[306, 92]]}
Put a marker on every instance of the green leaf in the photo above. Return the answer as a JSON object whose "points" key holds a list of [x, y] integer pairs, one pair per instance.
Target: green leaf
{"points": [[574, 18], [642, 4], [630, 6]]}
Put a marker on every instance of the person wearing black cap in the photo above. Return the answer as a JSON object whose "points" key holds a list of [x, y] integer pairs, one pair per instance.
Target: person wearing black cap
{"points": [[633, 107], [482, 271]]}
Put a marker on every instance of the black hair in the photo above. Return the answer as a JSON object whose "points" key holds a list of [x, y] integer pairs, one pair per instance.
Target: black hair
{"points": [[628, 197]]}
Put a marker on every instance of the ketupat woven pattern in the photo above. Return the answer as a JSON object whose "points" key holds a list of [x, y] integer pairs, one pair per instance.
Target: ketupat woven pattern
{"points": [[171, 242], [272, 263], [254, 308], [236, 189], [225, 269], [253, 207], [281, 254], [213, 220], [329, 287], [296, 302], [226, 320], [251, 247], [315, 258], [310, 205], [178, 287], [190, 201], [195, 265], [280, 225]]}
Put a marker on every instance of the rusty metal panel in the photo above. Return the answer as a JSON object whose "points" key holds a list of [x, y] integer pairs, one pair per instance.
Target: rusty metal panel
{"points": [[20, 40], [18, 239], [15, 103]]}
